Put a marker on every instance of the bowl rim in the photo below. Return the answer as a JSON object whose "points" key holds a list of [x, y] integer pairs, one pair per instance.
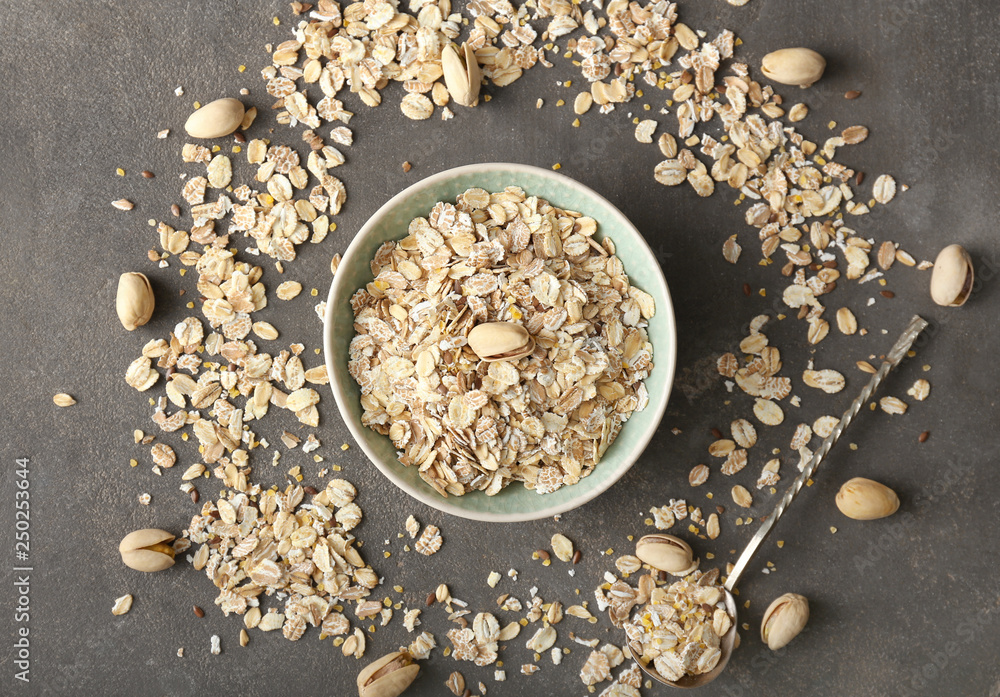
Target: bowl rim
{"points": [[638, 443]]}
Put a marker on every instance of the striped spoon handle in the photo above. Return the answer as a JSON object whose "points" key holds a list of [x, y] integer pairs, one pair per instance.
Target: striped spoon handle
{"points": [[896, 354]]}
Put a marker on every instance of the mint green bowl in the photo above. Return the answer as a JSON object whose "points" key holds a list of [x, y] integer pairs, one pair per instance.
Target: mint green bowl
{"points": [[514, 503]]}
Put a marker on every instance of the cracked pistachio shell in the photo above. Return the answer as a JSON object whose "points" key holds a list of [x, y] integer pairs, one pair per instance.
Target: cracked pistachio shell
{"points": [[462, 75], [135, 301], [783, 620], [500, 341], [794, 66], [952, 278], [147, 550], [389, 676], [215, 119], [864, 499], [666, 553]]}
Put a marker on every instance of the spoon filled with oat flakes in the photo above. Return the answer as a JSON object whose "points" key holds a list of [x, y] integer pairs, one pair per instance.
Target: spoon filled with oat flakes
{"points": [[684, 634]]}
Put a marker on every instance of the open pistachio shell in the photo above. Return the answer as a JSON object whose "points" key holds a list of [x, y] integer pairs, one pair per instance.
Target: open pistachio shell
{"points": [[783, 620], [147, 550], [953, 276], [462, 75], [389, 676]]}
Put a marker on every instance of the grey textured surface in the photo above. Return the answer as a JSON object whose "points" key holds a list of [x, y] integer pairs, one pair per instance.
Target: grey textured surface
{"points": [[908, 605]]}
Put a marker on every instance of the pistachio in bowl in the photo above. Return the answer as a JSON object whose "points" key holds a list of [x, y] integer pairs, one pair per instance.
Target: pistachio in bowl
{"points": [[498, 345]]}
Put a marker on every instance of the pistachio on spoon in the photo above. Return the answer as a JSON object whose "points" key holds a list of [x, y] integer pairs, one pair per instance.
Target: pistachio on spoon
{"points": [[667, 553]]}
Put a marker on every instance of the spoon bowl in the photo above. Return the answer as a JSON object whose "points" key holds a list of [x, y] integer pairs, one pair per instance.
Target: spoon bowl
{"points": [[726, 645]]}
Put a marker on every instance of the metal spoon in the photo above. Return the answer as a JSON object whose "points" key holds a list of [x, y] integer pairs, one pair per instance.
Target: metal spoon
{"points": [[896, 354]]}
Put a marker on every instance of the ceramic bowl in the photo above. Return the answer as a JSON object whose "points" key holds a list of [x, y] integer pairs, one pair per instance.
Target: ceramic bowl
{"points": [[514, 503]]}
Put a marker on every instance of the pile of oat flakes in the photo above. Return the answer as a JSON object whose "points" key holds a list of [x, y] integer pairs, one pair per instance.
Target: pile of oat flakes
{"points": [[295, 543], [545, 419]]}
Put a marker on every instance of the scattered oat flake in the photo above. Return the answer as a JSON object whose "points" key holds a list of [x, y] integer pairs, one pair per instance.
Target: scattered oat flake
{"points": [[884, 189], [830, 381], [731, 250], [411, 619], [596, 669], [741, 496], [824, 425], [699, 475], [412, 526], [663, 517], [892, 405], [122, 605], [563, 547], [288, 290], [727, 365], [644, 131], [455, 683], [63, 400], [417, 106], [430, 541], [920, 391]]}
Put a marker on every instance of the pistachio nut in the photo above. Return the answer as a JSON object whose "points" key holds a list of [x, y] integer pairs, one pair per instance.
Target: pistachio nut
{"points": [[215, 119], [864, 499], [389, 676], [500, 341], [147, 550], [794, 66], [783, 620], [666, 553], [461, 73], [951, 281], [135, 301]]}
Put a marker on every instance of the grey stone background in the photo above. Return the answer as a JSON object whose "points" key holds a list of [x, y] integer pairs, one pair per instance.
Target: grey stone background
{"points": [[904, 606]]}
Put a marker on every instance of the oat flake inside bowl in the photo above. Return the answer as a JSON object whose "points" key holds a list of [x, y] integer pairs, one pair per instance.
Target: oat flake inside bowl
{"points": [[544, 419]]}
